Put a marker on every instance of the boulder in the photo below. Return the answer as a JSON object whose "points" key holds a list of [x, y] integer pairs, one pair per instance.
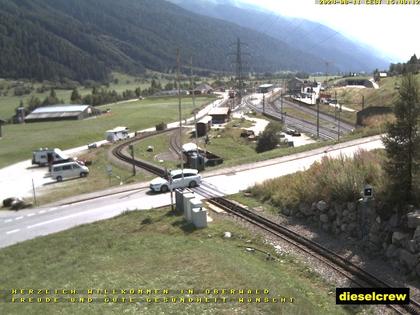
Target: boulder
{"points": [[413, 219], [323, 218], [391, 251], [411, 245], [408, 259], [393, 221], [285, 211], [322, 205], [345, 213], [343, 227], [399, 237], [351, 227], [305, 209], [332, 213], [338, 208], [352, 216], [375, 239], [416, 235], [351, 206], [326, 227]]}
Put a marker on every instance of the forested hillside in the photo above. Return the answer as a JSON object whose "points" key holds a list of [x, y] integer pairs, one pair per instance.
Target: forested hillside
{"points": [[342, 54], [86, 39]]}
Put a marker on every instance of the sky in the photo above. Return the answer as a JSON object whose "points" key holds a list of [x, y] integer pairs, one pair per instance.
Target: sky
{"points": [[392, 29]]}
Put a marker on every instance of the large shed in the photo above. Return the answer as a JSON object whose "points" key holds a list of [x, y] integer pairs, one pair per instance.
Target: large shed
{"points": [[220, 115], [265, 88], [203, 126], [61, 112]]}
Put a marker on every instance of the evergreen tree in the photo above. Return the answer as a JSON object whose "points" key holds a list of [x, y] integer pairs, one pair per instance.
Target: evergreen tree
{"points": [[402, 144], [75, 97], [33, 103]]}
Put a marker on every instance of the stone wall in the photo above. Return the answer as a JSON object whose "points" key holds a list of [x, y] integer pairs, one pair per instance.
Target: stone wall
{"points": [[398, 239]]}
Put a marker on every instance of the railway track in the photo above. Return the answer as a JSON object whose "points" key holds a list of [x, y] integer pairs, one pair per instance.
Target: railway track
{"points": [[119, 153], [303, 125], [345, 126], [358, 276]]}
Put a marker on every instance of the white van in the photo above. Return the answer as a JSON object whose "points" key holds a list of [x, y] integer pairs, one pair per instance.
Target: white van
{"points": [[47, 156], [70, 169]]}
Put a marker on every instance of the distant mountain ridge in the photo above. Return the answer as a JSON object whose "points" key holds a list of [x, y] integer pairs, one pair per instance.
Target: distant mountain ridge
{"points": [[86, 39], [340, 52]]}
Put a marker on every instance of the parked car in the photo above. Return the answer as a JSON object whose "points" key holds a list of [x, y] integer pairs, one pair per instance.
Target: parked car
{"points": [[67, 170], [292, 132], [175, 180]]}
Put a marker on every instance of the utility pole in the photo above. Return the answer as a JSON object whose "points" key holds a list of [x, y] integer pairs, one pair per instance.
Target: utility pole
{"points": [[180, 113], [263, 103], [281, 105], [363, 102], [193, 100], [339, 123], [239, 77], [34, 193], [317, 119], [131, 147]]}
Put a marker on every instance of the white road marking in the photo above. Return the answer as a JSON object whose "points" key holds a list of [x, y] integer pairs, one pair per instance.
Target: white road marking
{"points": [[64, 206], [8, 220], [58, 219], [52, 209], [30, 214], [19, 218], [13, 231], [42, 211]]}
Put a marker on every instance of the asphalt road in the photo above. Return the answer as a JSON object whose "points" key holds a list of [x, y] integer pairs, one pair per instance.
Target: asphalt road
{"points": [[27, 224]]}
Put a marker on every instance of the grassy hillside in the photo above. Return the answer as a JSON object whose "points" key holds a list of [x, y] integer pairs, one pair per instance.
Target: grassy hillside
{"points": [[386, 95], [157, 250]]}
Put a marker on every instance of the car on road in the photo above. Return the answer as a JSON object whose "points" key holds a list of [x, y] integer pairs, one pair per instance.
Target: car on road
{"points": [[67, 170], [175, 180], [292, 132]]}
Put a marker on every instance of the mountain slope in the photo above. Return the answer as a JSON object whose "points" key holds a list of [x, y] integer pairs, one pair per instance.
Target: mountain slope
{"points": [[85, 39], [301, 34]]}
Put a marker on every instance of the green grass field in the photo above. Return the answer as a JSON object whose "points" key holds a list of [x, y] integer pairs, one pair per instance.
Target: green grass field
{"points": [[157, 250], [19, 140], [119, 82]]}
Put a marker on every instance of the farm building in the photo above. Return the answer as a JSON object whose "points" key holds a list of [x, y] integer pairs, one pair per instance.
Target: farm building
{"points": [[265, 88], [61, 112], [203, 89], [220, 115], [203, 126]]}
